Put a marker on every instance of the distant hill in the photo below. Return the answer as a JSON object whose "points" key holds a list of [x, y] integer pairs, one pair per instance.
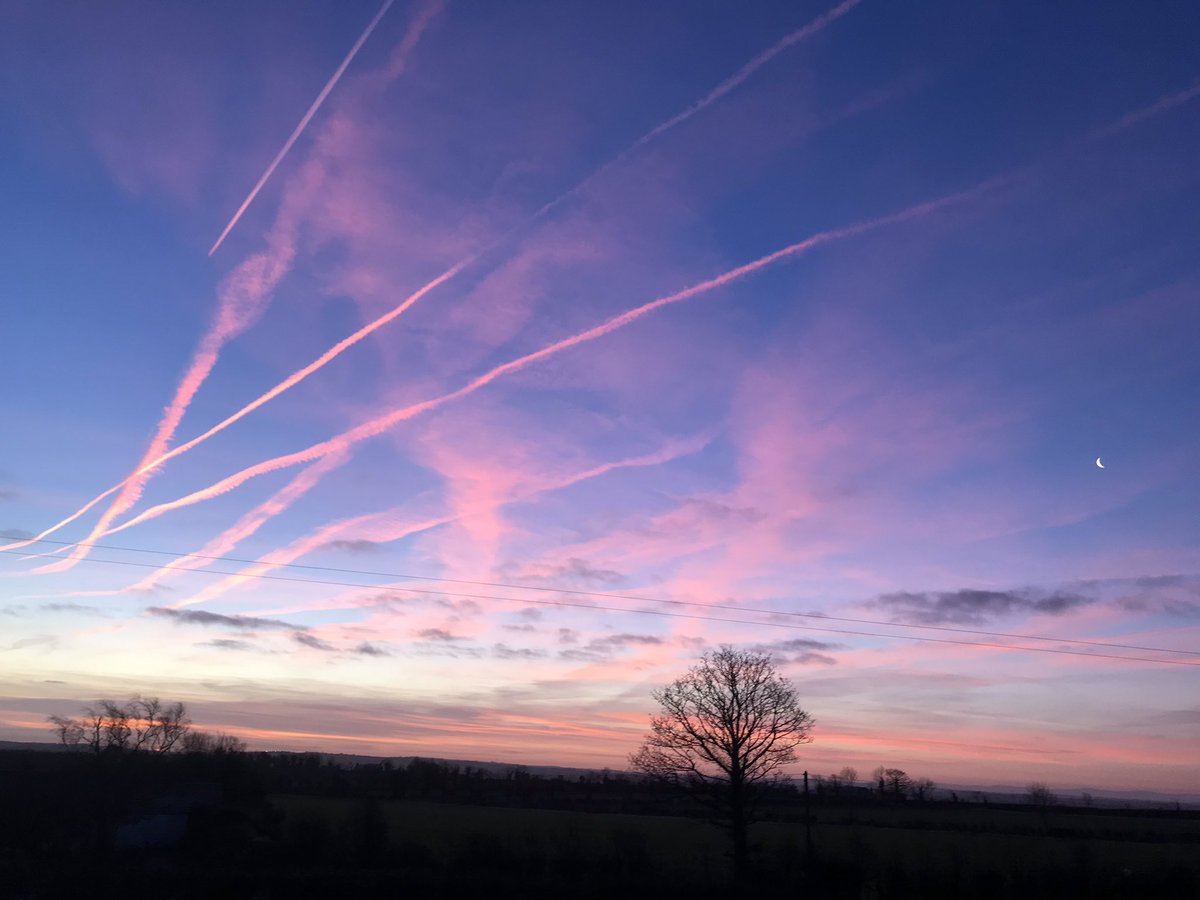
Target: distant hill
{"points": [[1105, 797], [37, 745]]}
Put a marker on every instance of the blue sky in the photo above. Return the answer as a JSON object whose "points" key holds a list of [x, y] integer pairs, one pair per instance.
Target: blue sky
{"points": [[516, 300]]}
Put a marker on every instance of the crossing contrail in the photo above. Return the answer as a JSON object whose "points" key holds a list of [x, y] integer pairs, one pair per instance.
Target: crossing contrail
{"points": [[247, 525], [151, 462], [242, 296], [387, 421], [299, 129]]}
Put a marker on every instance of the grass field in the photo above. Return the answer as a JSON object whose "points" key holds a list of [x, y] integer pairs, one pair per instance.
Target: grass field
{"points": [[858, 852]]}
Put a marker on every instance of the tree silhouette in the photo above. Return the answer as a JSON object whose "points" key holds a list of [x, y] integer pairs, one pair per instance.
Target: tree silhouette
{"points": [[1038, 794], [140, 724], [1040, 797], [922, 789], [727, 727], [839, 781], [894, 783]]}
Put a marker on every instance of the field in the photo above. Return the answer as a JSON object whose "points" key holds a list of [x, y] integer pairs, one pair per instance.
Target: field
{"points": [[931, 851], [266, 826]]}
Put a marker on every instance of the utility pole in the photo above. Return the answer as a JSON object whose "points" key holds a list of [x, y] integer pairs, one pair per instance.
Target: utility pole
{"points": [[808, 848]]}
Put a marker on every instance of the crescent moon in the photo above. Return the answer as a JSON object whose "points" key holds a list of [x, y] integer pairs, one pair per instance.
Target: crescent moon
{"points": [[1098, 463]]}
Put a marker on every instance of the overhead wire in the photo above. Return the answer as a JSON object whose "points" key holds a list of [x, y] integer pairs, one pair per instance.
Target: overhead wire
{"points": [[632, 597], [673, 615]]}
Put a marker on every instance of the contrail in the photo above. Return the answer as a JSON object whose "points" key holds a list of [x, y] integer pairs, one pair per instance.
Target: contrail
{"points": [[243, 295], [150, 462], [788, 40], [1162, 105], [381, 528], [733, 81], [299, 129], [383, 423], [239, 300], [248, 524], [239, 306]]}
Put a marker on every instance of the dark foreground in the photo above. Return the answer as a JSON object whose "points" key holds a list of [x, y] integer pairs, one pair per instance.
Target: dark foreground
{"points": [[259, 826]]}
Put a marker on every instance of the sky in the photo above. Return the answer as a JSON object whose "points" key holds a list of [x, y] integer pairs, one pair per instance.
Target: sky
{"points": [[493, 362]]}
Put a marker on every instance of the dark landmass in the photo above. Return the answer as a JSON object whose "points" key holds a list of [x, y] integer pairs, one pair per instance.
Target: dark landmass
{"points": [[295, 825]]}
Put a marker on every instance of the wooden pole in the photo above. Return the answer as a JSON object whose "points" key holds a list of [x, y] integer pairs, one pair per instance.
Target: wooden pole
{"points": [[808, 847]]}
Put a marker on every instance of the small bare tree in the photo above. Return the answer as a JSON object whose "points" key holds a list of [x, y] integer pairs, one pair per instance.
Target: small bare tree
{"points": [[1039, 795], [922, 789], [727, 727], [839, 781]]}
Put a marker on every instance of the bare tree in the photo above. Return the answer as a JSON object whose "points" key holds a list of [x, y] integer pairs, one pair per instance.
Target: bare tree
{"points": [[922, 789], [140, 724], [170, 724], [893, 782], [71, 732], [839, 781], [727, 727], [1039, 795]]}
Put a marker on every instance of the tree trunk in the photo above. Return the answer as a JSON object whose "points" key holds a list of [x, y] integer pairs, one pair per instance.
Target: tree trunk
{"points": [[738, 832], [741, 847]]}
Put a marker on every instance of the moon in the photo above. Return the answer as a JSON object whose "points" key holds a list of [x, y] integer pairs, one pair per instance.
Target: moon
{"points": [[1098, 463]]}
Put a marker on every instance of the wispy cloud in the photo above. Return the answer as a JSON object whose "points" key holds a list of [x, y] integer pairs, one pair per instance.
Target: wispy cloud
{"points": [[395, 524], [366, 648], [228, 644], [973, 607], [217, 620], [503, 651], [72, 608], [573, 571], [800, 651], [312, 642], [603, 648], [438, 634], [40, 640], [358, 545]]}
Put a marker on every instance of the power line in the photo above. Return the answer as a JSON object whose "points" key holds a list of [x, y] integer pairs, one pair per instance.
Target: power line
{"points": [[671, 615], [613, 596]]}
